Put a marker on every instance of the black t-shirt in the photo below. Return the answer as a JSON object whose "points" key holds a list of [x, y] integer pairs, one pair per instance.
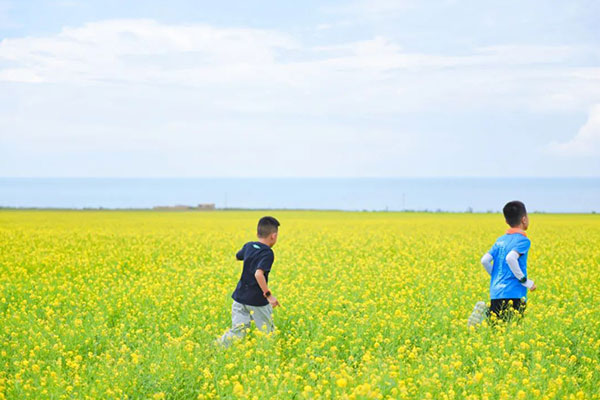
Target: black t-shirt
{"points": [[255, 255]]}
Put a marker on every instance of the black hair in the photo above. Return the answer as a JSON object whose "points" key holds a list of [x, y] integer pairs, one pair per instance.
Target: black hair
{"points": [[266, 226], [514, 211]]}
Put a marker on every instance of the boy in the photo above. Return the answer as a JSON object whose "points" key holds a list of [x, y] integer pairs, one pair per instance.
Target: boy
{"points": [[509, 282], [252, 299]]}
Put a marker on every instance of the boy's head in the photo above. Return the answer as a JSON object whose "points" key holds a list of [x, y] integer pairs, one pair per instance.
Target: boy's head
{"points": [[516, 215], [267, 230]]}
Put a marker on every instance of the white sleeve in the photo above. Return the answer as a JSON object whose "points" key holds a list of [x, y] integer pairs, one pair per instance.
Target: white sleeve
{"points": [[512, 259], [486, 261]]}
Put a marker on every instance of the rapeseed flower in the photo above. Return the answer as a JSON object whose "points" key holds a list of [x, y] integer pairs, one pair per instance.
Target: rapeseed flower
{"points": [[127, 305]]}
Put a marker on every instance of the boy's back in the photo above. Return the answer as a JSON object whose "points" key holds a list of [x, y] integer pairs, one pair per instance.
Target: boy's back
{"points": [[504, 284], [256, 255]]}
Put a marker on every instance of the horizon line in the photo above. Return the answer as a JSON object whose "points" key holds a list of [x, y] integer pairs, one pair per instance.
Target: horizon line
{"points": [[307, 177], [168, 209]]}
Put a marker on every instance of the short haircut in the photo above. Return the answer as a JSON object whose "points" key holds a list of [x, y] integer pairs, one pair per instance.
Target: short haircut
{"points": [[266, 226], [514, 211]]}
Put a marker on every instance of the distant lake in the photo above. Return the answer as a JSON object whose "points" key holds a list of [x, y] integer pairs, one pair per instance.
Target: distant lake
{"points": [[448, 194]]}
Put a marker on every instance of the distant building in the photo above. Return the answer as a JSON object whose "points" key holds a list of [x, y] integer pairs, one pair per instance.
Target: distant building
{"points": [[180, 207]]}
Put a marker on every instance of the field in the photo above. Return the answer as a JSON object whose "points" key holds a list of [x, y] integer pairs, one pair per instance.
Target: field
{"points": [[128, 305]]}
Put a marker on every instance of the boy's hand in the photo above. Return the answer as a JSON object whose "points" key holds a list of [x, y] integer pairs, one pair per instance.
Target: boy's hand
{"points": [[529, 285], [273, 301]]}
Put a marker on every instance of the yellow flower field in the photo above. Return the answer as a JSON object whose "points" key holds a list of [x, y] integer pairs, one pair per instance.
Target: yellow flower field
{"points": [[127, 305]]}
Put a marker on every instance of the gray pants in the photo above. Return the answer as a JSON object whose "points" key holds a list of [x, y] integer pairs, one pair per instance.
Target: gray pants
{"points": [[241, 317]]}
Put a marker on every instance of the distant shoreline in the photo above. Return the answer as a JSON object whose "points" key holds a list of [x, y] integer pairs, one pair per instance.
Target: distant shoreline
{"points": [[548, 195], [218, 210]]}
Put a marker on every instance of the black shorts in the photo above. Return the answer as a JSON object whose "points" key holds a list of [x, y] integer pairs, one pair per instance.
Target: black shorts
{"points": [[507, 308]]}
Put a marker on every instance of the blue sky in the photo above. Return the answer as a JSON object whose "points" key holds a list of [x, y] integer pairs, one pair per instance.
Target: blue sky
{"points": [[267, 88]]}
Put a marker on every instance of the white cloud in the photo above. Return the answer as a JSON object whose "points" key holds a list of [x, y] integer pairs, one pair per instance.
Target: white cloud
{"points": [[209, 99], [254, 70], [20, 75], [587, 140], [135, 50]]}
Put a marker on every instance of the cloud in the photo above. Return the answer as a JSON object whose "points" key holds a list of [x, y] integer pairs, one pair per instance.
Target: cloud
{"points": [[211, 98], [585, 143], [244, 70], [86, 52], [273, 65], [135, 50]]}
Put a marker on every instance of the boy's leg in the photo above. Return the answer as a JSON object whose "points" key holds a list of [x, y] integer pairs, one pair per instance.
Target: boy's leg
{"points": [[478, 315], [504, 308], [520, 306], [495, 307], [263, 317], [240, 321]]}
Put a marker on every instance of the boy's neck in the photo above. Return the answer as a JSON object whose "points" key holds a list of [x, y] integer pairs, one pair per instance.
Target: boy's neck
{"points": [[517, 229], [264, 241]]}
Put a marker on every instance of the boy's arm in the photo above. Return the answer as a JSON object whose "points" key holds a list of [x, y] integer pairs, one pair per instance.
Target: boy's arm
{"points": [[240, 254], [486, 261], [262, 282], [512, 259], [264, 265]]}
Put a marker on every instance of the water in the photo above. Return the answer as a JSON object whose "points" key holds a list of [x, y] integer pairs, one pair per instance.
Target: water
{"points": [[448, 194]]}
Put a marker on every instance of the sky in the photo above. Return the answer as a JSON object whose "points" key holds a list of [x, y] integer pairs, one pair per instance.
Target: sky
{"points": [[357, 88]]}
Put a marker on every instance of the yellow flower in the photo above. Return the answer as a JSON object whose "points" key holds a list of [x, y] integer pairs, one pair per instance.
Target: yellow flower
{"points": [[341, 382], [373, 308], [238, 389]]}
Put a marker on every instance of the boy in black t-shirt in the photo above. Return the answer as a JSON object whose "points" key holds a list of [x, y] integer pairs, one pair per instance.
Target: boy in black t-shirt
{"points": [[252, 299]]}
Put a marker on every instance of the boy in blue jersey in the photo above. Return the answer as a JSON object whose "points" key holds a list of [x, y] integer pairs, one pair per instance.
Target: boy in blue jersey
{"points": [[252, 299], [509, 282]]}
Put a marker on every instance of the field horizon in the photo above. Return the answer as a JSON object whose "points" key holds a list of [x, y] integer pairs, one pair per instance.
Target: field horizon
{"points": [[557, 195], [300, 210]]}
